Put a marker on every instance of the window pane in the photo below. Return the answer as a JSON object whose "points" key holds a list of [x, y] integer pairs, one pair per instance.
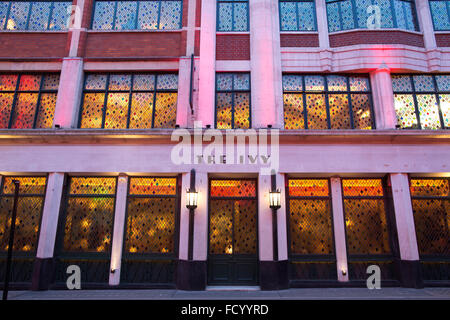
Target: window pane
{"points": [[242, 81], [240, 16], [401, 84], [314, 83], [225, 16], [116, 111], [165, 110], [316, 111], [60, 15], [18, 16], [46, 111], [339, 111], [3, 13], [103, 15], [141, 110], [293, 111], [40, 13], [429, 112], [95, 82], [337, 83], [126, 15], [224, 81], [242, 110], [170, 15], [288, 16], [423, 83], [444, 101], [6, 102], [440, 14], [362, 118], [92, 111], [24, 111], [404, 108], [223, 112], [148, 15], [119, 82], [292, 83]]}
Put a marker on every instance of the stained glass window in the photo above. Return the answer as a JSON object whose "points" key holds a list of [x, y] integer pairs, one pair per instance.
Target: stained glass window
{"points": [[233, 100], [129, 101], [141, 15], [371, 14], [327, 102], [27, 101], [151, 215], [440, 12], [297, 15], [232, 15], [422, 101], [34, 15]]}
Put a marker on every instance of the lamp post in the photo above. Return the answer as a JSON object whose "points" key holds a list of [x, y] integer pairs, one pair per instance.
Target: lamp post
{"points": [[11, 239], [191, 204], [274, 204]]}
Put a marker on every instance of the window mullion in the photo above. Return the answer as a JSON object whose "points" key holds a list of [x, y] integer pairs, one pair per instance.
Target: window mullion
{"points": [[327, 105], [105, 101], [416, 107], [130, 98], [350, 109], [52, 4], [13, 106], [154, 101], [38, 103]]}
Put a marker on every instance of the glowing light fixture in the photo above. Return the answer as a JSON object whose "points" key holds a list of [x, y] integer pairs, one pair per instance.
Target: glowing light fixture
{"points": [[191, 199], [275, 199]]}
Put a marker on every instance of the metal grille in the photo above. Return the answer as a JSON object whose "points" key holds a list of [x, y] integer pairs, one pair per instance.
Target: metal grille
{"points": [[27, 101], [421, 101], [327, 102], [440, 12], [365, 217], [297, 15], [151, 216], [142, 15], [29, 211], [233, 217], [34, 15], [232, 15], [232, 100], [355, 14], [129, 101], [89, 215], [431, 207]]}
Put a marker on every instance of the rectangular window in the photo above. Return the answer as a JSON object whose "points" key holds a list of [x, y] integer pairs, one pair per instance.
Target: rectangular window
{"points": [[297, 15], [232, 15], [233, 101], [34, 15], [310, 230], [327, 102], [371, 14], [367, 227], [129, 101], [27, 101], [140, 15], [440, 12], [422, 101]]}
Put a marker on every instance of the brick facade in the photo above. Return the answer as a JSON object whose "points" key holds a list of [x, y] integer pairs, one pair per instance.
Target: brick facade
{"points": [[375, 37], [233, 47]]}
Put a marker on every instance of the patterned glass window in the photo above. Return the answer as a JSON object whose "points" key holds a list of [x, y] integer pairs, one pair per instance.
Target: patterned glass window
{"points": [[34, 15], [327, 102], [89, 214], [129, 101], [27, 101], [232, 15], [297, 15], [151, 216], [141, 15], [233, 100], [440, 11], [365, 217], [29, 211], [431, 207], [422, 101], [371, 14], [310, 222]]}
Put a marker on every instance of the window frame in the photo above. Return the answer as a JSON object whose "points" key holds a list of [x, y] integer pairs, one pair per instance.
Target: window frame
{"points": [[415, 21], [414, 94], [136, 16], [130, 92], [298, 15], [233, 92], [41, 91], [232, 15], [326, 93]]}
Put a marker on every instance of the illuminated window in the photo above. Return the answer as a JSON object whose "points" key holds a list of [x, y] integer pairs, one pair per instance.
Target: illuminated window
{"points": [[233, 100], [327, 102], [297, 15], [371, 14], [129, 101], [141, 15], [440, 11], [422, 101], [232, 15], [34, 15], [310, 229], [27, 101]]}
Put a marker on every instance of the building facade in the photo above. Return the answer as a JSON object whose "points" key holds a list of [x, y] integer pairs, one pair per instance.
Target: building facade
{"points": [[113, 112]]}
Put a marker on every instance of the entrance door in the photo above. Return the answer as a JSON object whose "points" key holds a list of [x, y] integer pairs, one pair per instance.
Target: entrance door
{"points": [[233, 235]]}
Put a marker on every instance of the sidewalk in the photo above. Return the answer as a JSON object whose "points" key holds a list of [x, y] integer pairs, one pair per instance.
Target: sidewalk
{"points": [[290, 294]]}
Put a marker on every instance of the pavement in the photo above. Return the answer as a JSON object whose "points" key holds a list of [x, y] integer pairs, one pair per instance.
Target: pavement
{"points": [[238, 294]]}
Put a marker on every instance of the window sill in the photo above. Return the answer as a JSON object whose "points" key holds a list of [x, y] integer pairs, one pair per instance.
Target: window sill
{"points": [[134, 31], [370, 30]]}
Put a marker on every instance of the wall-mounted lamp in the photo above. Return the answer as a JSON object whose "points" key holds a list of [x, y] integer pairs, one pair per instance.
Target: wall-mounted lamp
{"points": [[344, 272], [113, 270], [191, 199], [275, 199]]}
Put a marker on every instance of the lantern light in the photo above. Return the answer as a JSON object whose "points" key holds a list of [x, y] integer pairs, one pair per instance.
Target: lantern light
{"points": [[191, 199], [275, 199]]}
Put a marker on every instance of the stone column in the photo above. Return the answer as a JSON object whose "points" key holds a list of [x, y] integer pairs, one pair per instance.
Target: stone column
{"points": [[429, 39], [383, 98], [404, 219], [322, 24], [207, 65], [118, 232], [184, 82], [339, 229], [262, 64], [44, 263]]}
